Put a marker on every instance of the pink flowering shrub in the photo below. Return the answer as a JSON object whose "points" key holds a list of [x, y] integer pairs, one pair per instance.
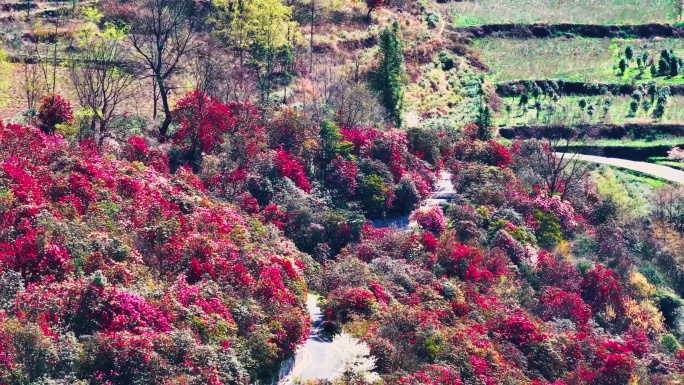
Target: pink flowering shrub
{"points": [[676, 153], [431, 219], [561, 209]]}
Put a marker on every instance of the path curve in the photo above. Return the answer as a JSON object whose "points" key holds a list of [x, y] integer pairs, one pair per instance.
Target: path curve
{"points": [[443, 193], [663, 172], [318, 358], [321, 359]]}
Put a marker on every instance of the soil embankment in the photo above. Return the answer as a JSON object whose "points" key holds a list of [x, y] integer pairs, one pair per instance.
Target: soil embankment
{"points": [[562, 87], [537, 31], [592, 131]]}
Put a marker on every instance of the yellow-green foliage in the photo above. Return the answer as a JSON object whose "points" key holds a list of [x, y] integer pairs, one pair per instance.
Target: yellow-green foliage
{"points": [[549, 232], [5, 75], [639, 283], [264, 23], [629, 201]]}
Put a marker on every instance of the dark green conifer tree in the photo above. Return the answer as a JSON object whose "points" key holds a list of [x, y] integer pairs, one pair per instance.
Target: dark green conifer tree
{"points": [[388, 78]]}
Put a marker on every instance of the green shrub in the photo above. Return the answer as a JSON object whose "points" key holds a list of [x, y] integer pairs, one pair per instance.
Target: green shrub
{"points": [[549, 233], [670, 343], [432, 20], [669, 304], [372, 193], [447, 61], [652, 274]]}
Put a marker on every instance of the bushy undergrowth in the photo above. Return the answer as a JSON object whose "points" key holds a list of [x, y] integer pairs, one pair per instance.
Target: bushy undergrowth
{"points": [[114, 272], [521, 289]]}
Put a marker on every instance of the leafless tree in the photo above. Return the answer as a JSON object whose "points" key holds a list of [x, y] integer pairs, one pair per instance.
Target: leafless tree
{"points": [[552, 165], [668, 205], [46, 59], [206, 68], [31, 82], [162, 35], [101, 84]]}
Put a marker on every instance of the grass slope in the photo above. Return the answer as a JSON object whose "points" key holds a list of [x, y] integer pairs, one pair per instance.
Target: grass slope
{"points": [[470, 13]]}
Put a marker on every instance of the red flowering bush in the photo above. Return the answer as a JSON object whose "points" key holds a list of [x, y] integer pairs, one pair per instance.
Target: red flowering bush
{"points": [[462, 261], [273, 214], [143, 262], [601, 288], [491, 153], [519, 330], [289, 167], [433, 375], [136, 149], [54, 110], [614, 365], [361, 137], [341, 176], [202, 124], [561, 304], [560, 274], [500, 156], [342, 303]]}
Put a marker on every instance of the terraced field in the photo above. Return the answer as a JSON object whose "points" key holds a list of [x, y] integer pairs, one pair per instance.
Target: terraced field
{"points": [[575, 59], [568, 111], [478, 12]]}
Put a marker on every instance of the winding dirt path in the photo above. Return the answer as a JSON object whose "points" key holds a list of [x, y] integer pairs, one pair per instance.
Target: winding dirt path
{"points": [[663, 172], [319, 358]]}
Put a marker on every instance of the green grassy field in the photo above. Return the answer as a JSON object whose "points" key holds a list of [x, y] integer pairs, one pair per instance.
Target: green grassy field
{"points": [[577, 59], [478, 12], [599, 110], [631, 143], [665, 161]]}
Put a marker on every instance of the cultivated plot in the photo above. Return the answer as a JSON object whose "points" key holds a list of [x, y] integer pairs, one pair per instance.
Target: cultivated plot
{"points": [[579, 59], [612, 12]]}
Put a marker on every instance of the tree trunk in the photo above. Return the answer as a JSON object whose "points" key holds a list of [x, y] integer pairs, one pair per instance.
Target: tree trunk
{"points": [[93, 128], [311, 37], [101, 133], [155, 98], [164, 94]]}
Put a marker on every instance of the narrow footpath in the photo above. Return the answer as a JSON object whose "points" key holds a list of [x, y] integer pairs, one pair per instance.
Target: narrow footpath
{"points": [[319, 358], [663, 172]]}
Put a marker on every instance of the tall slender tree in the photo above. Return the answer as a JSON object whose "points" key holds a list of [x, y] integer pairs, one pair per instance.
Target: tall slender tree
{"points": [[388, 78]]}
